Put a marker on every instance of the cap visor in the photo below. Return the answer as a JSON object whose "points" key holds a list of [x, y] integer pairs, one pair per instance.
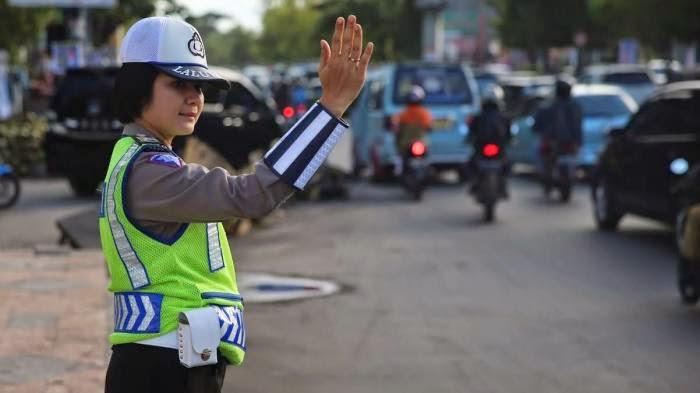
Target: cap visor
{"points": [[194, 73]]}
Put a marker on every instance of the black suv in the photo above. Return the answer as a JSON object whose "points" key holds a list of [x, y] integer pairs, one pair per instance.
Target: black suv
{"points": [[81, 137], [652, 166], [80, 140]]}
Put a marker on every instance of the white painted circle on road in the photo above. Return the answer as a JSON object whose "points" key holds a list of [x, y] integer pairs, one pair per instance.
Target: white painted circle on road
{"points": [[266, 288]]}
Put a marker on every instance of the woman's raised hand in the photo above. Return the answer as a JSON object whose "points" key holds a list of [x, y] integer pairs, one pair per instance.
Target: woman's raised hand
{"points": [[343, 65]]}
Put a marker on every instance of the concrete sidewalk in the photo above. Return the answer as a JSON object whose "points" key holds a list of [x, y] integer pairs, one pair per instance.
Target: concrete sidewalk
{"points": [[53, 316]]}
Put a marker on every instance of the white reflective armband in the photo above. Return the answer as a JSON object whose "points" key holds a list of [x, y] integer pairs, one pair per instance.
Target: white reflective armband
{"points": [[297, 156]]}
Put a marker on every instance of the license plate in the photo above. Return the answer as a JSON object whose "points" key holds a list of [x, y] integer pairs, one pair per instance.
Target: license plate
{"points": [[442, 124]]}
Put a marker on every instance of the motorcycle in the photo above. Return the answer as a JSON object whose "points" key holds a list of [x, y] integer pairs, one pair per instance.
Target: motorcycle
{"points": [[489, 184], [9, 186], [415, 168], [558, 168]]}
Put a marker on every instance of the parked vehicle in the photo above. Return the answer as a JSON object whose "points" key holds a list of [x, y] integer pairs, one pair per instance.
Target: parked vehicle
{"points": [[650, 167], [81, 137], [489, 183], [9, 186], [637, 80], [603, 107], [665, 71], [451, 97], [415, 169]]}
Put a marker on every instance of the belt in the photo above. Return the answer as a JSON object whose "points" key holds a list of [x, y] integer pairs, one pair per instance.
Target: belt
{"points": [[168, 340]]}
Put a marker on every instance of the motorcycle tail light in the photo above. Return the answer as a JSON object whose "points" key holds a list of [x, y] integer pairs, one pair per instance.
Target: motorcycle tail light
{"points": [[490, 150], [288, 112], [418, 149]]}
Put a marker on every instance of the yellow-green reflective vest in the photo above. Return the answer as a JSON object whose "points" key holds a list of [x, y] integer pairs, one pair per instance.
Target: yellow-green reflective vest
{"points": [[153, 279]]}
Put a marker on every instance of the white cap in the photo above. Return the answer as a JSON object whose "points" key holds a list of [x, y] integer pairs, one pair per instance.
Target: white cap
{"points": [[172, 46]]}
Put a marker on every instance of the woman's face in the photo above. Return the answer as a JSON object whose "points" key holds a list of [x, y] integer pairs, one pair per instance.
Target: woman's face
{"points": [[174, 108]]}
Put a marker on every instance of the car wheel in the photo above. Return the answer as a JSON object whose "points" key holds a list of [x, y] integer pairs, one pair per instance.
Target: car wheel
{"points": [[680, 227], [687, 283], [607, 215]]}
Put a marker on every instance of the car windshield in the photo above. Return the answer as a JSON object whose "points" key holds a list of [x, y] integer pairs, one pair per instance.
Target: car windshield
{"points": [[627, 78], [85, 93], [602, 105], [442, 85]]}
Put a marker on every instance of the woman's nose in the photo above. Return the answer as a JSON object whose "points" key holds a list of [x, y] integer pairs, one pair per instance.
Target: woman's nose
{"points": [[194, 95]]}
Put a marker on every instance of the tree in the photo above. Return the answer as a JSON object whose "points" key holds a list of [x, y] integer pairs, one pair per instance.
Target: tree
{"points": [[654, 22], [289, 32], [393, 25], [127, 12], [535, 25], [238, 46], [21, 26]]}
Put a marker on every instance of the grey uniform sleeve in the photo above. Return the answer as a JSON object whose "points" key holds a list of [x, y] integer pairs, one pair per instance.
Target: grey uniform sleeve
{"points": [[192, 193]]}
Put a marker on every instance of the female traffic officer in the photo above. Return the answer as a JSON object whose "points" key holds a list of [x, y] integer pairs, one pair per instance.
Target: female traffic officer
{"points": [[178, 314]]}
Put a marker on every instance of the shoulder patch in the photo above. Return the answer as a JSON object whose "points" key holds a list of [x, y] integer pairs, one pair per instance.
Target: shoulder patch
{"points": [[165, 159]]}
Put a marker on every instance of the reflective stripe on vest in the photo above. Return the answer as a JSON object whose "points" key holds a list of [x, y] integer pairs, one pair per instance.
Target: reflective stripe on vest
{"points": [[134, 267], [216, 256]]}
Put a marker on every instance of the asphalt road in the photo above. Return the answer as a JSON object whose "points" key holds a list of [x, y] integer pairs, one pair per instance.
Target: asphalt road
{"points": [[436, 301], [31, 222]]}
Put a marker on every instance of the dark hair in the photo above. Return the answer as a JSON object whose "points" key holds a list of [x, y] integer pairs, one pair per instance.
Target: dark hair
{"points": [[133, 90]]}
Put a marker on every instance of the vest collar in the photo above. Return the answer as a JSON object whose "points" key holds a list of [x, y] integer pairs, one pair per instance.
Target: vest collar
{"points": [[134, 129]]}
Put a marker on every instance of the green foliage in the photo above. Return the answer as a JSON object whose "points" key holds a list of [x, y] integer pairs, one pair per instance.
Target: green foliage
{"points": [[21, 141], [654, 22], [536, 24], [237, 46], [540, 23], [21, 26], [393, 25], [127, 12], [289, 32]]}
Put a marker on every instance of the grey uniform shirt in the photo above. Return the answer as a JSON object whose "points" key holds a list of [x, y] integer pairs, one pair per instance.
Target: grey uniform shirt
{"points": [[163, 192]]}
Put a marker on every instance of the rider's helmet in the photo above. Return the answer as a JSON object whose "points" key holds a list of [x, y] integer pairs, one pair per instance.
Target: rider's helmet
{"points": [[416, 95], [492, 97], [562, 87]]}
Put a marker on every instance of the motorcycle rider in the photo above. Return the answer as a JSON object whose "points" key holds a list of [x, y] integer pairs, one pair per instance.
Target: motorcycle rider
{"points": [[559, 125], [490, 126], [413, 123]]}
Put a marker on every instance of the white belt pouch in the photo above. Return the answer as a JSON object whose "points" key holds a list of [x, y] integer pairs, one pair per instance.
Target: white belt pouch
{"points": [[198, 336]]}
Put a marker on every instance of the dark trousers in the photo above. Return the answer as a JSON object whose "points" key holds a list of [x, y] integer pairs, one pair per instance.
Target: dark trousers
{"points": [[136, 368]]}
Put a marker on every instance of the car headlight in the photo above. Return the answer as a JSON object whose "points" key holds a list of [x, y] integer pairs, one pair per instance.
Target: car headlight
{"points": [[58, 128], [514, 128]]}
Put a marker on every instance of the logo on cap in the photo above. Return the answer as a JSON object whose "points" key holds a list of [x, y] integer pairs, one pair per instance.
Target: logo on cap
{"points": [[195, 45]]}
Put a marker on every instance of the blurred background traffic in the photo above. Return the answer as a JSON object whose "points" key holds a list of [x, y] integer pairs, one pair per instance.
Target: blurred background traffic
{"points": [[629, 65], [485, 78]]}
